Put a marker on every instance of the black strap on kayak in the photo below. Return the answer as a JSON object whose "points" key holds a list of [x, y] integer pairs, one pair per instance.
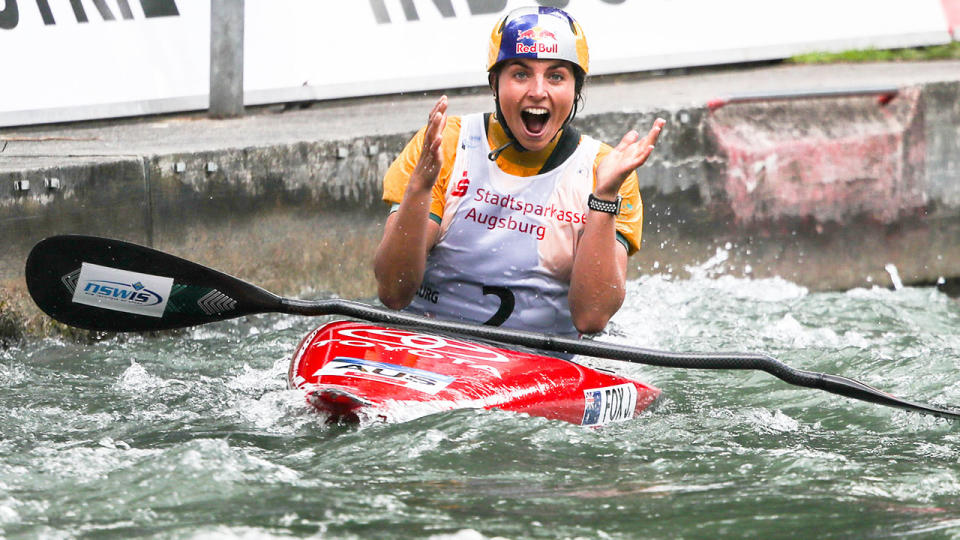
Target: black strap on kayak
{"points": [[202, 295]]}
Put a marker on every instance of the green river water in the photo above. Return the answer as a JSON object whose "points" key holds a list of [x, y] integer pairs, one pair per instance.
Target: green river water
{"points": [[196, 435]]}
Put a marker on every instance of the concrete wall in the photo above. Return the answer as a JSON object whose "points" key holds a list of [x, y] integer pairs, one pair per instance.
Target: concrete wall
{"points": [[824, 192]]}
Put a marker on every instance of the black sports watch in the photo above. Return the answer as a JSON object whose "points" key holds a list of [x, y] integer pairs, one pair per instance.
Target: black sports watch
{"points": [[600, 205]]}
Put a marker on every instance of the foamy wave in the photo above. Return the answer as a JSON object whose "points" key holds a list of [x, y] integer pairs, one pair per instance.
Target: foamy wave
{"points": [[136, 379]]}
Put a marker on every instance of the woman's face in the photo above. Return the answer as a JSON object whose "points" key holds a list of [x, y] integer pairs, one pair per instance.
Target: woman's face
{"points": [[536, 97]]}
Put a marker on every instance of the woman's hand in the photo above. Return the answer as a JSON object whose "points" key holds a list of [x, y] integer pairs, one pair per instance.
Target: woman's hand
{"points": [[428, 166], [409, 233], [598, 280], [628, 155]]}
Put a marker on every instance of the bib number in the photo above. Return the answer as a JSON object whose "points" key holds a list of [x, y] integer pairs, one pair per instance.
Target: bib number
{"points": [[507, 303]]}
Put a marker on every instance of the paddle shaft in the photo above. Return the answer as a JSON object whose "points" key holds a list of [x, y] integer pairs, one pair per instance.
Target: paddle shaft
{"points": [[202, 295]]}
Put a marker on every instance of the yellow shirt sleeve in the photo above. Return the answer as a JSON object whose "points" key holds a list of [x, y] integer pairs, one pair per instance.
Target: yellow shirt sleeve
{"points": [[630, 219], [398, 175]]}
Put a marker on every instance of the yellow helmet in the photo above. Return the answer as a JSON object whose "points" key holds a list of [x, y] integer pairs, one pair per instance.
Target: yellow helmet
{"points": [[538, 32]]}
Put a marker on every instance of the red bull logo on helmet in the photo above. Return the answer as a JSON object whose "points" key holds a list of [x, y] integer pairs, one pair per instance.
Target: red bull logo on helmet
{"points": [[537, 40]]}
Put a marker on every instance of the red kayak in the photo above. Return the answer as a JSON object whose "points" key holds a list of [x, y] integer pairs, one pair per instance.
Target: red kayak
{"points": [[355, 371]]}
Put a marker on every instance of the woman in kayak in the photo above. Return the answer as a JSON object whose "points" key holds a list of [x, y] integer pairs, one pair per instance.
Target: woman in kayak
{"points": [[515, 218]]}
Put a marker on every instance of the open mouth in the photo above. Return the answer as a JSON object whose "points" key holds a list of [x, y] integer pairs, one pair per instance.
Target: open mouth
{"points": [[535, 119]]}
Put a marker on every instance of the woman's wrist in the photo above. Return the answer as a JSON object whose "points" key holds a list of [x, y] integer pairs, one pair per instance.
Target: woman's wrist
{"points": [[606, 188]]}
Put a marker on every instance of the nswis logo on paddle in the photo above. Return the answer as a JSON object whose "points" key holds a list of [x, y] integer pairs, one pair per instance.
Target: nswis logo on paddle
{"points": [[122, 290]]}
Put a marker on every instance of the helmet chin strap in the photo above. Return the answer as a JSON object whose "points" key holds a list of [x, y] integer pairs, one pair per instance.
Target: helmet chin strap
{"points": [[495, 153]]}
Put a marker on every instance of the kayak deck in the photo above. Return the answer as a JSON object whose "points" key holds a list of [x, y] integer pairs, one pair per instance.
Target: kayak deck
{"points": [[356, 371]]}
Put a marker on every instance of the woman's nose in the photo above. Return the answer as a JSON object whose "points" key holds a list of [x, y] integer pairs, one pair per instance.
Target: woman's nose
{"points": [[538, 86]]}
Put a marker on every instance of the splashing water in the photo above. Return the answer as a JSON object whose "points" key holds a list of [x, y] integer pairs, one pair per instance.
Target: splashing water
{"points": [[894, 276], [196, 435]]}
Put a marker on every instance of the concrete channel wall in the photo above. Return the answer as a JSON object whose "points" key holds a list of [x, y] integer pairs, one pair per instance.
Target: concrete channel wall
{"points": [[825, 190]]}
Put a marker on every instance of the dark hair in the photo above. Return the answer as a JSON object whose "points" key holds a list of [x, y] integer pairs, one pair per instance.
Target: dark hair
{"points": [[580, 79]]}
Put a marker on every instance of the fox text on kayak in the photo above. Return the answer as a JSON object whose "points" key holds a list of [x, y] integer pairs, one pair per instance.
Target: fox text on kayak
{"points": [[122, 290], [612, 404]]}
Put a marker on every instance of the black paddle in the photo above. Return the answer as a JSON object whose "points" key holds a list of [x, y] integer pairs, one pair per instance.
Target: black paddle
{"points": [[110, 285]]}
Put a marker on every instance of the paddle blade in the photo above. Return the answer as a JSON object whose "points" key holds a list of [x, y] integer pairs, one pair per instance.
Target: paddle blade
{"points": [[111, 285]]}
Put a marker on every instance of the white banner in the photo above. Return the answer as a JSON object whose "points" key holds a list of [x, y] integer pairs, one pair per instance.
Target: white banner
{"points": [[378, 46], [103, 58]]}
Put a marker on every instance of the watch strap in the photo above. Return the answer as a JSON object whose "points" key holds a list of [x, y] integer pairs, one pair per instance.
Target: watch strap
{"points": [[600, 205]]}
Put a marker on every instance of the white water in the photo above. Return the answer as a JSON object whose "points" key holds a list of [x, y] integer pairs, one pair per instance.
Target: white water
{"points": [[197, 436]]}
